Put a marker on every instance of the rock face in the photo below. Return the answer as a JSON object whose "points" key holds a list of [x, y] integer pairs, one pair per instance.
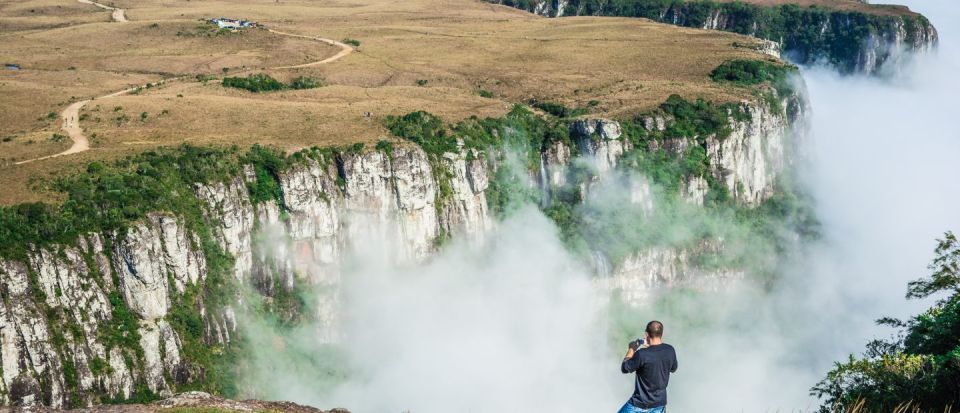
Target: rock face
{"points": [[43, 362], [200, 401], [750, 159], [98, 320], [852, 41]]}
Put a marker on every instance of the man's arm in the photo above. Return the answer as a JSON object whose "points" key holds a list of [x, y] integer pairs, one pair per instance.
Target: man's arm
{"points": [[673, 369], [631, 362]]}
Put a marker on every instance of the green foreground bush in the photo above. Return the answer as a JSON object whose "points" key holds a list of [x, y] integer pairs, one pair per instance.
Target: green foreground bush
{"points": [[921, 365]]}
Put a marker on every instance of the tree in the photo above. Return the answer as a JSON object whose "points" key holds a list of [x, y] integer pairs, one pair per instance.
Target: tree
{"points": [[919, 368]]}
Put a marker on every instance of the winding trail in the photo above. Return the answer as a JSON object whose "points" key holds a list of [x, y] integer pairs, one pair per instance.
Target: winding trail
{"points": [[118, 15], [71, 115], [344, 50]]}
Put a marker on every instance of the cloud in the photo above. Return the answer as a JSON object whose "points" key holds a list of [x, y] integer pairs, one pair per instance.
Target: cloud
{"points": [[516, 324]]}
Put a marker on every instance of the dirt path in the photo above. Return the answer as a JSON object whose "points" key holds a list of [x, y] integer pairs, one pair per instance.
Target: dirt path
{"points": [[71, 115], [118, 14], [344, 50]]}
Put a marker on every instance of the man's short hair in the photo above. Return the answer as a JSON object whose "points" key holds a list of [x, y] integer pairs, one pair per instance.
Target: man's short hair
{"points": [[655, 329]]}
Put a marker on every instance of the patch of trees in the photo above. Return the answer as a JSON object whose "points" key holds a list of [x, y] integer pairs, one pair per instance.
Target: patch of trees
{"points": [[262, 82], [559, 110], [749, 72], [919, 369]]}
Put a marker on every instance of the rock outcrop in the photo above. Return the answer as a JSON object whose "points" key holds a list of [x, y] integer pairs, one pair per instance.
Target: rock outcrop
{"points": [[201, 401]]}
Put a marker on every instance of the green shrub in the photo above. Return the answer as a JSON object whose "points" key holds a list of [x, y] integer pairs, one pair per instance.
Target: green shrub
{"points": [[267, 164], [560, 110], [748, 72], [423, 129], [262, 82], [256, 83], [697, 119], [351, 42], [305, 82], [204, 78], [485, 94], [385, 146]]}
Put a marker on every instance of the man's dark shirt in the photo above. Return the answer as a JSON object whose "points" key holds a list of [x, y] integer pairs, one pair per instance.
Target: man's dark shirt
{"points": [[653, 366]]}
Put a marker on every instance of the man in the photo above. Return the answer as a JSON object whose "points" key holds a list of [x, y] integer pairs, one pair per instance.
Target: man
{"points": [[653, 361]]}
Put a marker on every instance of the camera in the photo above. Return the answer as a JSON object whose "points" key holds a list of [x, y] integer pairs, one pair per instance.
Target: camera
{"points": [[637, 344]]}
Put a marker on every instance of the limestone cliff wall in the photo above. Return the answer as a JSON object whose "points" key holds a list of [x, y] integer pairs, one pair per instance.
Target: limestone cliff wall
{"points": [[63, 341]]}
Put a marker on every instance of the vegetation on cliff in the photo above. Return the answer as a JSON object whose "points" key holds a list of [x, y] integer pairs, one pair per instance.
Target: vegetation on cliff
{"points": [[112, 197], [800, 30], [519, 141]]}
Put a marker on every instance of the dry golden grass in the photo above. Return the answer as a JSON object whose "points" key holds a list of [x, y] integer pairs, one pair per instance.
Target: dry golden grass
{"points": [[458, 47], [906, 407], [45, 14]]}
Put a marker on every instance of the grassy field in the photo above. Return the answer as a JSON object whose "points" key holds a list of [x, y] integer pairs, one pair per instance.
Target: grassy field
{"points": [[433, 55]]}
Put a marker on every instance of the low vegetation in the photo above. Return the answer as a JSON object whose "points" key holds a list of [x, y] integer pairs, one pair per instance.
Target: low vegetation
{"points": [[523, 132], [256, 83], [305, 82], [750, 72], [559, 110], [262, 82]]}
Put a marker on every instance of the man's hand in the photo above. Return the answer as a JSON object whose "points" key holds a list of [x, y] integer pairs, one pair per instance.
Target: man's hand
{"points": [[631, 348]]}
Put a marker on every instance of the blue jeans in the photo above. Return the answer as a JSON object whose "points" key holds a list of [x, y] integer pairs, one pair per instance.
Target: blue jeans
{"points": [[629, 408]]}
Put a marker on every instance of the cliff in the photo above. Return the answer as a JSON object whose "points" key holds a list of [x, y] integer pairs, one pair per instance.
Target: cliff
{"points": [[130, 290], [859, 40]]}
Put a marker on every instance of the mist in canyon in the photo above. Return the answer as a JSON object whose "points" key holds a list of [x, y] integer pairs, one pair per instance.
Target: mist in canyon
{"points": [[516, 322]]}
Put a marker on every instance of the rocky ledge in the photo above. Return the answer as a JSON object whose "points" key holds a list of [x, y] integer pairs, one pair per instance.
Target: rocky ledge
{"points": [[198, 402]]}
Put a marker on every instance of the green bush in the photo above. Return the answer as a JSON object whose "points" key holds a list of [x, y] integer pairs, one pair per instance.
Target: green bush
{"points": [[256, 83], [262, 82], [351, 42], [385, 146], [423, 129], [698, 119], [748, 72], [267, 164], [560, 110], [305, 82]]}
